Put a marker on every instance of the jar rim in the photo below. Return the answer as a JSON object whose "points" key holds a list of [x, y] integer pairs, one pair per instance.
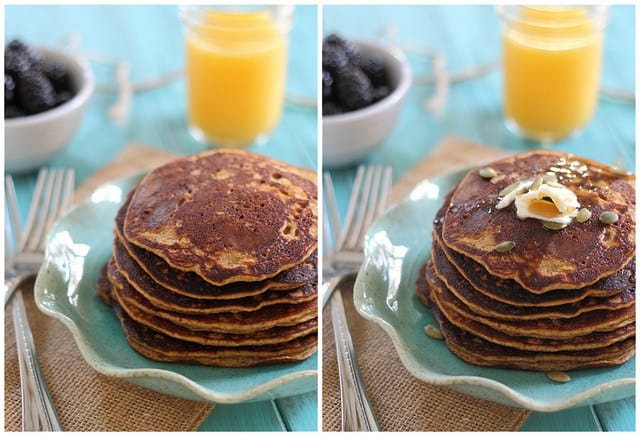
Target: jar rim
{"points": [[191, 15], [513, 13]]}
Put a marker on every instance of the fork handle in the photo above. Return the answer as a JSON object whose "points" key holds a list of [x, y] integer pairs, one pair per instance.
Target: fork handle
{"points": [[357, 412], [38, 411]]}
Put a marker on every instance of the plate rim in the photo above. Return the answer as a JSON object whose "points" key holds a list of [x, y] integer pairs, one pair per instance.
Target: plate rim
{"points": [[106, 368], [417, 368]]}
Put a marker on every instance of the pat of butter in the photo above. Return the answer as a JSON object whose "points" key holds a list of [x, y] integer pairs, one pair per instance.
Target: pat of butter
{"points": [[564, 206]]}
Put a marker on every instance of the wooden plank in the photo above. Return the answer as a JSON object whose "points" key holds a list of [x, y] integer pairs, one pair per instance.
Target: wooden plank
{"points": [[257, 416], [580, 419], [617, 415], [300, 412]]}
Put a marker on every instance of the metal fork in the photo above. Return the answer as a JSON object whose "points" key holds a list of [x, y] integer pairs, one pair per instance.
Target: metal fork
{"points": [[368, 199], [52, 196]]}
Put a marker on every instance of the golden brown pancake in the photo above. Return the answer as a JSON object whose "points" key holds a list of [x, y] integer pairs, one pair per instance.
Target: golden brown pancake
{"points": [[104, 285], [273, 335], [158, 346], [190, 284], [164, 298], [510, 292], [167, 349], [478, 351], [596, 339], [545, 328], [240, 322], [486, 306], [544, 260], [227, 215]]}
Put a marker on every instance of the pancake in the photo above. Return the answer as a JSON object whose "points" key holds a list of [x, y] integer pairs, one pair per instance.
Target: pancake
{"points": [[478, 351], [104, 286], [535, 362], [227, 215], [483, 305], [510, 292], [544, 260], [163, 298], [190, 284], [157, 346], [545, 328], [273, 335], [592, 340], [240, 322], [160, 347]]}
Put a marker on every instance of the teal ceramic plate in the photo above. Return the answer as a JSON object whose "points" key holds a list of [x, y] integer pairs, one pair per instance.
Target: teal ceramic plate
{"points": [[78, 246], [397, 245]]}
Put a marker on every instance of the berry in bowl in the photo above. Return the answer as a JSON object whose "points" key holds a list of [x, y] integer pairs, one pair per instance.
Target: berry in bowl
{"points": [[364, 85], [45, 94]]}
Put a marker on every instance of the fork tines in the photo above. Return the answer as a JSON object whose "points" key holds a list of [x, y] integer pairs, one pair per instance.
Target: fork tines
{"points": [[368, 200], [52, 196]]}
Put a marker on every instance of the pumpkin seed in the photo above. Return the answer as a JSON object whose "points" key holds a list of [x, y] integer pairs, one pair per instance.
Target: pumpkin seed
{"points": [[553, 225], [505, 246], [433, 332], [487, 173], [509, 189], [536, 183], [558, 376], [608, 217], [583, 215]]}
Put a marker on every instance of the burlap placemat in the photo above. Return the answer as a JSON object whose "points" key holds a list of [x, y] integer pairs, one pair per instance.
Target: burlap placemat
{"points": [[400, 401], [85, 399]]}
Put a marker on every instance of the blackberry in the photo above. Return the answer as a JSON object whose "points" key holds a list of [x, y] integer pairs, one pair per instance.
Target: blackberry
{"points": [[375, 70], [63, 97], [31, 55], [331, 108], [16, 45], [380, 92], [353, 88], [34, 92], [9, 88], [30, 85], [327, 84], [58, 76], [16, 63], [13, 111], [334, 58], [350, 49]]}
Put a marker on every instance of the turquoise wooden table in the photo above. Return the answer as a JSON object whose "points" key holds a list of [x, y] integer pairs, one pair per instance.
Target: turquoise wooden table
{"points": [[149, 39], [469, 36]]}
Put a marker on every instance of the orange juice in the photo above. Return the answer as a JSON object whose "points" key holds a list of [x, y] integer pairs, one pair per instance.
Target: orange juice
{"points": [[235, 72], [551, 64]]}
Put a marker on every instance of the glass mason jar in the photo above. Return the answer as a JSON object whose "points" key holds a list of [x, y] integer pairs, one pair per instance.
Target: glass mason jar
{"points": [[552, 58], [235, 69]]}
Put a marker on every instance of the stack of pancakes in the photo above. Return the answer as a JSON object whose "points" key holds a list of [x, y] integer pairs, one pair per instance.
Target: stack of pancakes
{"points": [[214, 261], [559, 299]]}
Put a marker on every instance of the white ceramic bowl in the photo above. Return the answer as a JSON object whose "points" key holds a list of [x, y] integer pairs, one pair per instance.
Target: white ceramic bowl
{"points": [[348, 137], [33, 140]]}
